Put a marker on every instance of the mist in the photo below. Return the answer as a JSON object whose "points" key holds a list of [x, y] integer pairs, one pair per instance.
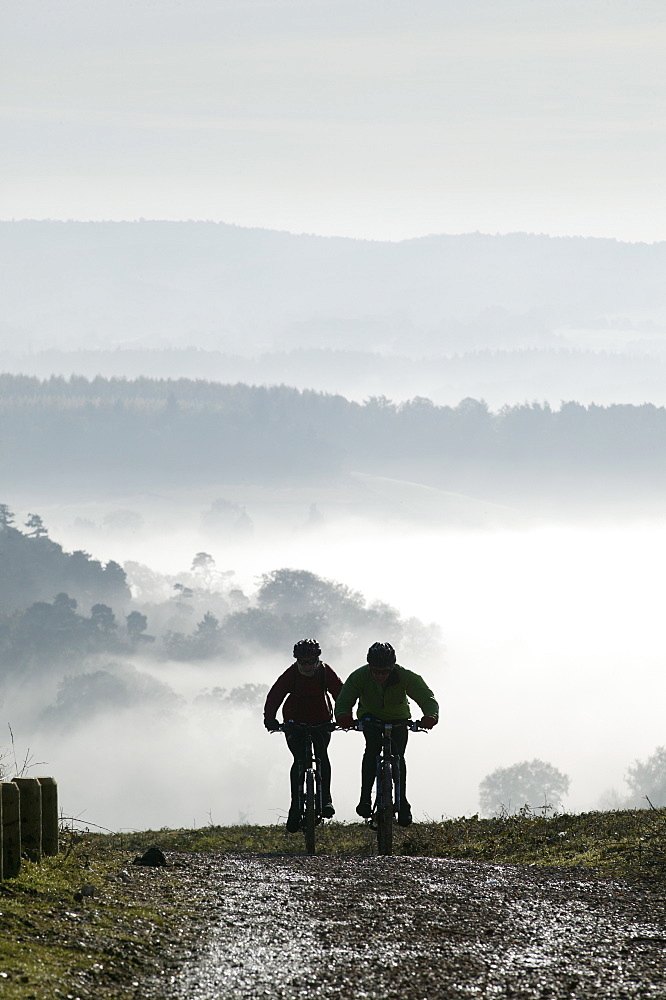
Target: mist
{"points": [[551, 648]]}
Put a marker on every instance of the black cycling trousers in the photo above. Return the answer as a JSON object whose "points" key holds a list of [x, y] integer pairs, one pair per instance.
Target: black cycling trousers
{"points": [[373, 746], [298, 744]]}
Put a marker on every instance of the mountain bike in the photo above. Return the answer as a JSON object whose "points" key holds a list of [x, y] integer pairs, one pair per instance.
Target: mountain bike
{"points": [[310, 802], [388, 791]]}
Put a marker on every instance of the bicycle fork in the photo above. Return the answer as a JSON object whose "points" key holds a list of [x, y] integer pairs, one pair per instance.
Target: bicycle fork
{"points": [[303, 772], [397, 785], [394, 760]]}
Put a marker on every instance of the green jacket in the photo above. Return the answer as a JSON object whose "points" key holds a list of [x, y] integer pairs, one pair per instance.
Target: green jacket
{"points": [[387, 703]]}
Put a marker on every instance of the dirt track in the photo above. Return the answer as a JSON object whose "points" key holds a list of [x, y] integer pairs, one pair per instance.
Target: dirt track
{"points": [[416, 928]]}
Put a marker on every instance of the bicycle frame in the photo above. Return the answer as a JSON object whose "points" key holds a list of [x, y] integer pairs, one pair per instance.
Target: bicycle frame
{"points": [[310, 802], [388, 790]]}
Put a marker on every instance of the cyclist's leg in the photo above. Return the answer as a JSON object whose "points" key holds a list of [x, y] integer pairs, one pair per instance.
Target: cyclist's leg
{"points": [[373, 746], [297, 743], [321, 741]]}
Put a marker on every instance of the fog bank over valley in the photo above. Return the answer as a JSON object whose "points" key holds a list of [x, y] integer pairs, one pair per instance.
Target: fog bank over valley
{"points": [[144, 697]]}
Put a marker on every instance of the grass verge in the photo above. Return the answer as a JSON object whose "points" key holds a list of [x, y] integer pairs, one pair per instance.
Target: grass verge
{"points": [[139, 924], [57, 942]]}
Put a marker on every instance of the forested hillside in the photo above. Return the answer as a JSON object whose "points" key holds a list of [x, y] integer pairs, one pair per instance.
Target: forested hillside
{"points": [[35, 568], [50, 627], [160, 432]]}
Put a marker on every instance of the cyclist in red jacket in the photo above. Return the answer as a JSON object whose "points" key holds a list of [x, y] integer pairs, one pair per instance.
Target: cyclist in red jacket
{"points": [[306, 685]]}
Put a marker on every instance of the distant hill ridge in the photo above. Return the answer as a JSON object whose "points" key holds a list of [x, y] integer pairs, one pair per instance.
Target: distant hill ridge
{"points": [[149, 284]]}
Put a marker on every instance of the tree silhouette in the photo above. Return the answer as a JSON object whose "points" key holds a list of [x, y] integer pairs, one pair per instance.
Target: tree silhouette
{"points": [[36, 526], [298, 592], [65, 604], [534, 783], [222, 514], [103, 619], [245, 696], [136, 625], [257, 627], [203, 561], [45, 633], [647, 779], [206, 639], [183, 593], [6, 516], [81, 697], [333, 612]]}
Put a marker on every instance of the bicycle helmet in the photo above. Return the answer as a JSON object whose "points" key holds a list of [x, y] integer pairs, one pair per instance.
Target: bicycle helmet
{"points": [[307, 649], [381, 654]]}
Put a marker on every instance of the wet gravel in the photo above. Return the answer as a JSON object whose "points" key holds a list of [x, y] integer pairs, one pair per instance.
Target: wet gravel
{"points": [[294, 927]]}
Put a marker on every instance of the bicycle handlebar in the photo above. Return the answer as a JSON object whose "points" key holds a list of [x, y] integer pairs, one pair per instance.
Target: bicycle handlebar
{"points": [[322, 727], [413, 724], [359, 724]]}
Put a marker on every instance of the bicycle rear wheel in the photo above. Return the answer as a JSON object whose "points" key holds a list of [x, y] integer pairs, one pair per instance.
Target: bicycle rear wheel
{"points": [[385, 809], [310, 812]]}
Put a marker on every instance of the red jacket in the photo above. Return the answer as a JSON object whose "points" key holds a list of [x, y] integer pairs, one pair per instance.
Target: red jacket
{"points": [[306, 696]]}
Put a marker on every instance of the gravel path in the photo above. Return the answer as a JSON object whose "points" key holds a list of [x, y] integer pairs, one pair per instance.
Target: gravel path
{"points": [[415, 928]]}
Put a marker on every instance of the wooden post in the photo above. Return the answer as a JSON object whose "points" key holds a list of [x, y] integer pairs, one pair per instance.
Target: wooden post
{"points": [[11, 829], [31, 817], [49, 816], [2, 846]]}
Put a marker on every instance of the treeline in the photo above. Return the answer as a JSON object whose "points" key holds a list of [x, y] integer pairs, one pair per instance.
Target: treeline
{"points": [[149, 431]]}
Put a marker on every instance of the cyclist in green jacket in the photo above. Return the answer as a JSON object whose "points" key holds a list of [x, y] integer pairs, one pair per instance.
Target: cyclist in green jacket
{"points": [[381, 687]]}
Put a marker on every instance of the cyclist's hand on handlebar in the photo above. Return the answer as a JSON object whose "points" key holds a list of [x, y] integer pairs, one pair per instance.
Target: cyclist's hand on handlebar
{"points": [[346, 722], [428, 721], [272, 725]]}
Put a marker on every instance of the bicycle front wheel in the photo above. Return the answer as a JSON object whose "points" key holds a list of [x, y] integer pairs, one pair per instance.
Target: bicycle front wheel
{"points": [[310, 812], [385, 809]]}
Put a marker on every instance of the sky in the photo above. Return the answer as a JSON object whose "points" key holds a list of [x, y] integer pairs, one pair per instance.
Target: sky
{"points": [[375, 120]]}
